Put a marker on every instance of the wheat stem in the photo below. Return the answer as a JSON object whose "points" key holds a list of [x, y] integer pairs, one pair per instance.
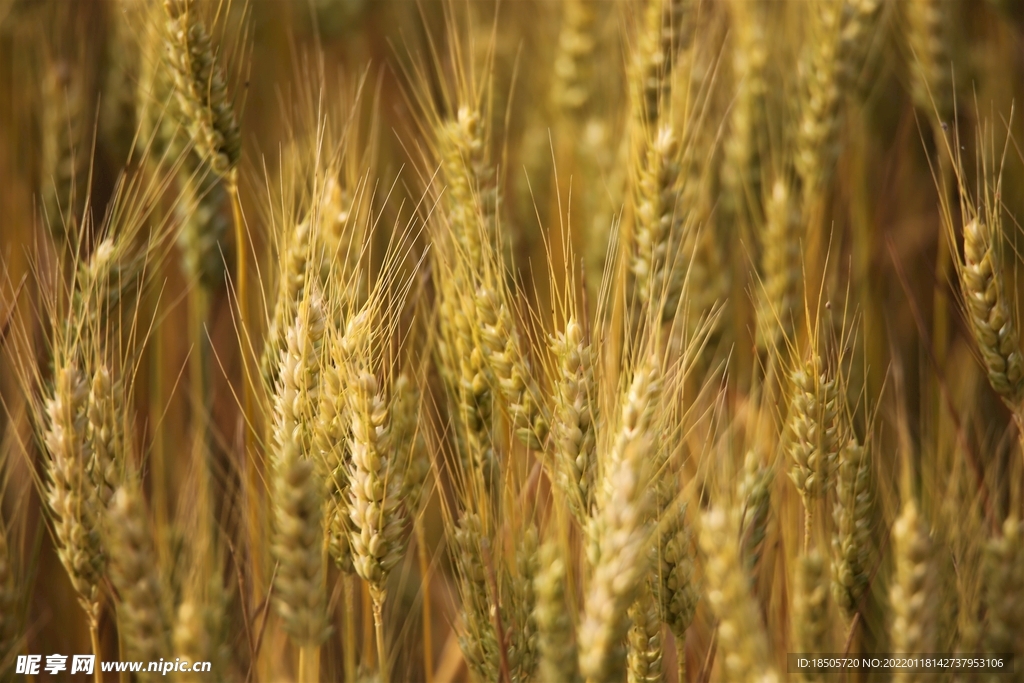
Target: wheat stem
{"points": [[309, 664], [378, 630], [424, 562]]}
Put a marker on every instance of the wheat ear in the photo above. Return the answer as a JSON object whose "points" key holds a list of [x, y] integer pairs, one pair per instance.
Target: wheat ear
{"points": [[755, 492], [64, 161], [914, 593], [677, 591], [571, 87], [810, 606], [71, 496], [928, 32], [478, 640], [990, 312], [297, 488], [782, 277], [812, 431], [853, 513], [644, 659], [505, 355], [657, 222], [742, 644], [574, 420], [621, 534], [142, 615], [376, 473], [200, 88], [1003, 586], [556, 647]]}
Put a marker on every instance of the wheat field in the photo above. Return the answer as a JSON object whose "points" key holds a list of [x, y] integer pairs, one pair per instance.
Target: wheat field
{"points": [[524, 340]]}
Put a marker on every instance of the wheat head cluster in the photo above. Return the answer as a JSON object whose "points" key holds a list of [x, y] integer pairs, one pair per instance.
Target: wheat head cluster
{"points": [[527, 340]]}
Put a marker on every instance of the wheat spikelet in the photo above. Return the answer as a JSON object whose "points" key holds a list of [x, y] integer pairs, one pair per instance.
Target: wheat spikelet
{"points": [[812, 430], [621, 534], [71, 496], [743, 648], [555, 645], [201, 626], [1003, 586], [989, 311], [573, 418], [645, 649], [200, 88], [810, 606], [853, 513], [297, 486], [134, 571], [914, 593]]}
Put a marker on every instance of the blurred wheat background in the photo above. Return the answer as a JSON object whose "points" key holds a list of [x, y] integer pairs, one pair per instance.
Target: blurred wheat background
{"points": [[535, 340]]}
